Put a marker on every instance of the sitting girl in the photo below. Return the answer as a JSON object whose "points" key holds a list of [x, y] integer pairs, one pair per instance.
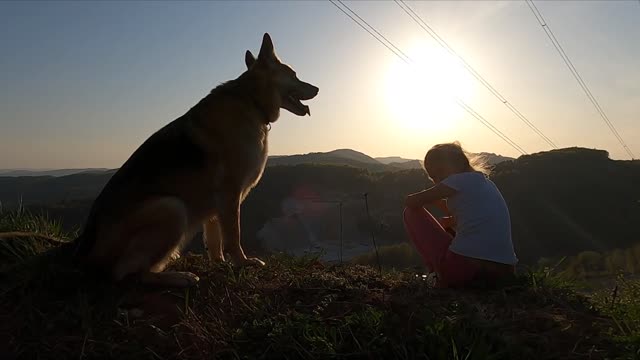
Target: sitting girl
{"points": [[480, 247]]}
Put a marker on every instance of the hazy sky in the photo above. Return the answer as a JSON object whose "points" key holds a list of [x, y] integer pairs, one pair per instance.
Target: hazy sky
{"points": [[82, 84]]}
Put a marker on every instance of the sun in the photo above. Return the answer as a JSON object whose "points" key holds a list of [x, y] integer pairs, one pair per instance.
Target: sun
{"points": [[422, 95]]}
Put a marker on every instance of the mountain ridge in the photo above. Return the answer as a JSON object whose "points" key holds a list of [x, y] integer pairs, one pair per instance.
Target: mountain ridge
{"points": [[344, 156], [557, 200]]}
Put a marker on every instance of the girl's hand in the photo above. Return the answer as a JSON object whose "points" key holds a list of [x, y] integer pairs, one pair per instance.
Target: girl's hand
{"points": [[442, 205], [447, 222]]}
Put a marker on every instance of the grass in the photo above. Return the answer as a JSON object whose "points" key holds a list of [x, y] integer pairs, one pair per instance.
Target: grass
{"points": [[22, 220], [622, 304], [39, 234], [300, 308]]}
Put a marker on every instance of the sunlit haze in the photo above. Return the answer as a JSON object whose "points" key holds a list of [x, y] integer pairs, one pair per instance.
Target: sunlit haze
{"points": [[83, 84]]}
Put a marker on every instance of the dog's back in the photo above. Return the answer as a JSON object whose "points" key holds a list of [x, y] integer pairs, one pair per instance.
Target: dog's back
{"points": [[169, 151]]}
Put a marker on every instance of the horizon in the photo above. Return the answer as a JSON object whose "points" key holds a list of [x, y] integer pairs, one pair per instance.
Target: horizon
{"points": [[84, 84], [270, 155], [377, 158]]}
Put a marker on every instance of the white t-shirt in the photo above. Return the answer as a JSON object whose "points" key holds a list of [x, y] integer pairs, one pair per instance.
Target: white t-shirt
{"points": [[483, 225]]}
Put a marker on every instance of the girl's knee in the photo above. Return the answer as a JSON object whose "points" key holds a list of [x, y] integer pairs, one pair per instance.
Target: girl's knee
{"points": [[412, 213], [418, 215]]}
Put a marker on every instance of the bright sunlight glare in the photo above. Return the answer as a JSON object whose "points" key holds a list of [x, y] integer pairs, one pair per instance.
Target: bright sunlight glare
{"points": [[422, 95]]}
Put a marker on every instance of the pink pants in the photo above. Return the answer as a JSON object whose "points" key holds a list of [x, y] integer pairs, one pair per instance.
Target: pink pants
{"points": [[432, 242]]}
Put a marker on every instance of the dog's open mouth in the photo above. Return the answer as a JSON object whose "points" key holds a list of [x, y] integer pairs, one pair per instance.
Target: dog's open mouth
{"points": [[292, 103], [292, 99]]}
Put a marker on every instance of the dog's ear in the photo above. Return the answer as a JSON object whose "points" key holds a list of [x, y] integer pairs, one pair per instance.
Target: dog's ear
{"points": [[266, 50], [249, 59]]}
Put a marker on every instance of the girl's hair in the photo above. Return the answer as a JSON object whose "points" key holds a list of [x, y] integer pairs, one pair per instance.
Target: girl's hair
{"points": [[454, 154]]}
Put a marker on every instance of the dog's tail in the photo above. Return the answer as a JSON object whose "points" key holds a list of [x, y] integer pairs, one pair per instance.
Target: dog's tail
{"points": [[19, 246], [26, 257], [26, 247]]}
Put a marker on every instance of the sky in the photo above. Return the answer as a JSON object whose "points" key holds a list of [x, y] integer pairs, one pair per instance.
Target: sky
{"points": [[83, 84]]}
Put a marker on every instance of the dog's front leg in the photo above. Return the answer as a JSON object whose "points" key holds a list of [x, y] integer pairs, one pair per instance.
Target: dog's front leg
{"points": [[213, 240], [229, 219]]}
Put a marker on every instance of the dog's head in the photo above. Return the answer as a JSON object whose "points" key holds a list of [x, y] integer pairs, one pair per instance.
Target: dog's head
{"points": [[290, 90]]}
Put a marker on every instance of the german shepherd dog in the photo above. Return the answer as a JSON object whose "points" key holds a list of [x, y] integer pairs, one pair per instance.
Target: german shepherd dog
{"points": [[195, 171]]}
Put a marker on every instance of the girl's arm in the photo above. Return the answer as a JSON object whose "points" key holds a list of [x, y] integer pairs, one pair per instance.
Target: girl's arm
{"points": [[429, 196], [447, 222]]}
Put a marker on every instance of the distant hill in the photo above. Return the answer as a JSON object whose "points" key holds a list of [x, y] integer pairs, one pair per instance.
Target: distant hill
{"points": [[358, 159], [566, 199], [353, 155], [562, 202], [493, 159], [411, 164], [336, 157], [48, 172], [51, 189], [347, 157], [392, 159], [402, 163]]}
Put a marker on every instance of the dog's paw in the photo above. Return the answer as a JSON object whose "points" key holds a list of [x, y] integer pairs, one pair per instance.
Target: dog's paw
{"points": [[186, 279], [179, 279], [248, 262]]}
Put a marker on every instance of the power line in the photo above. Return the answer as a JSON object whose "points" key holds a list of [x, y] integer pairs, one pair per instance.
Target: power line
{"points": [[429, 30], [405, 59], [545, 26], [459, 101], [391, 47], [372, 28]]}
